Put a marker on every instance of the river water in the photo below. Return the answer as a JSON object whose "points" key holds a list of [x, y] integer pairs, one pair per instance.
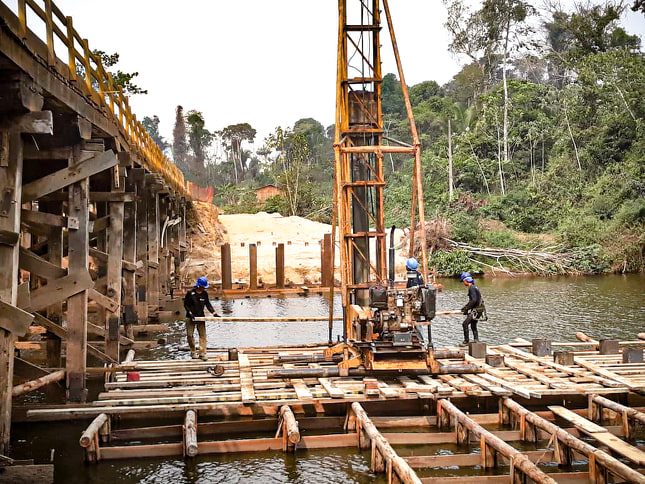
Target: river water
{"points": [[603, 306]]}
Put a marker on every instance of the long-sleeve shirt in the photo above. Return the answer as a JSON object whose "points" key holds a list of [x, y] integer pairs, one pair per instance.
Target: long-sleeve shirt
{"points": [[194, 303], [474, 298]]}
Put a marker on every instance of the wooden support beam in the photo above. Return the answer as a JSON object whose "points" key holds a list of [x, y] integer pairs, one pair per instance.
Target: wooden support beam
{"points": [[384, 458], [90, 438], [33, 152], [129, 258], [289, 429], [39, 122], [191, 448], [115, 266], [253, 266], [225, 264], [630, 417], [78, 243], [599, 461], [246, 378], [43, 218], [67, 176], [138, 176], [94, 197], [466, 426], [57, 290], [39, 382], [10, 195], [39, 266], [153, 245], [279, 266], [21, 93], [601, 434], [54, 255]]}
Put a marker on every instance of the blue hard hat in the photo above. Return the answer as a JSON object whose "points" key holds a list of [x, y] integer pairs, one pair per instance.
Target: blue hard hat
{"points": [[464, 275], [202, 282], [412, 264], [469, 280]]}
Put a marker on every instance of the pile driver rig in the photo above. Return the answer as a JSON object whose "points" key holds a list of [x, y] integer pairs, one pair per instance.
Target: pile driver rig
{"points": [[380, 321]]}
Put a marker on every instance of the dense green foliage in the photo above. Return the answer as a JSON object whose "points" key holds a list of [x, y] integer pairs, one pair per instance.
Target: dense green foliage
{"points": [[547, 147]]}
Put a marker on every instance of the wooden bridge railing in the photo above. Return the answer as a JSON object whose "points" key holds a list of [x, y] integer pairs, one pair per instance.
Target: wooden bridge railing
{"points": [[98, 85]]}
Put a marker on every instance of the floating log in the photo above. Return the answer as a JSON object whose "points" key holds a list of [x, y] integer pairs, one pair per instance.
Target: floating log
{"points": [[399, 466], [92, 430], [641, 336], [595, 456], [37, 383], [518, 460], [191, 448]]}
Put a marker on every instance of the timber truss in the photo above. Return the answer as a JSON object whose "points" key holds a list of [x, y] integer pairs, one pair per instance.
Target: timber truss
{"points": [[92, 214]]}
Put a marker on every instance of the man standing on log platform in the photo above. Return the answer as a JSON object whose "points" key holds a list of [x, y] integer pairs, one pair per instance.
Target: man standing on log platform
{"points": [[194, 302], [474, 309]]}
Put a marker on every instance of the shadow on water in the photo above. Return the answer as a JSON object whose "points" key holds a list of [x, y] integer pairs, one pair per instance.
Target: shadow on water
{"points": [[607, 306]]}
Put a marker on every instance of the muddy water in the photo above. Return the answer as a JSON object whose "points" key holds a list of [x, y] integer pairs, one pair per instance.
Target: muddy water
{"points": [[608, 306]]}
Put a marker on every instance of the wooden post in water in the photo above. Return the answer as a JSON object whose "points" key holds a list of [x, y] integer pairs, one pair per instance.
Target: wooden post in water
{"points": [[326, 275], [253, 266], [279, 266], [11, 147], [114, 249], [55, 256], [138, 175], [78, 242], [225, 257]]}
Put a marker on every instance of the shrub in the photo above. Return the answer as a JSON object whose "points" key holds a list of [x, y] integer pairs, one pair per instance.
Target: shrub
{"points": [[451, 263], [500, 238], [591, 259], [465, 228], [579, 230]]}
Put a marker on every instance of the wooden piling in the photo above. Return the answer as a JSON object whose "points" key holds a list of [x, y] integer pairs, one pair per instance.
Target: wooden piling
{"points": [[90, 438], [563, 357], [289, 429], [138, 175], [599, 461], [191, 448], [632, 354], [541, 347], [326, 270], [393, 463], [225, 258], [279, 266], [608, 347], [78, 242], [519, 462], [253, 266]]}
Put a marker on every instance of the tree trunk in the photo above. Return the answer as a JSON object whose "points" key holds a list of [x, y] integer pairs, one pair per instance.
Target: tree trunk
{"points": [[505, 127], [450, 176]]}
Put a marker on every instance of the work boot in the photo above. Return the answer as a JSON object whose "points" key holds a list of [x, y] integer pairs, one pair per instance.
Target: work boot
{"points": [[203, 356], [194, 355], [464, 342]]}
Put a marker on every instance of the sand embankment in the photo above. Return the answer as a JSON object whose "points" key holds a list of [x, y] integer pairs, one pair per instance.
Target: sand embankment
{"points": [[301, 237]]}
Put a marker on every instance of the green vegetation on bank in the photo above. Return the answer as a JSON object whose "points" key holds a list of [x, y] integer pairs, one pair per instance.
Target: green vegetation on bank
{"points": [[547, 146]]}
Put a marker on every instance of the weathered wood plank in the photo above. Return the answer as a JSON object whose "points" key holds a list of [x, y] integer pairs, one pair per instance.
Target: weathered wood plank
{"points": [[14, 319], [38, 122], [59, 289], [65, 177], [39, 266], [104, 301]]}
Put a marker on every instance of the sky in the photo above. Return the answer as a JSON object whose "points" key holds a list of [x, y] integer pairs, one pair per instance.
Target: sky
{"points": [[265, 62]]}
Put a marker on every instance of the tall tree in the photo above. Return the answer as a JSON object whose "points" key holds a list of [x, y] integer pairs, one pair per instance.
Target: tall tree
{"points": [[233, 136], [199, 138], [179, 143], [152, 127]]}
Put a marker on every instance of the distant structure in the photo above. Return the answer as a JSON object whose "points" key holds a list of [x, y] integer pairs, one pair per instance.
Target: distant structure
{"points": [[267, 191]]}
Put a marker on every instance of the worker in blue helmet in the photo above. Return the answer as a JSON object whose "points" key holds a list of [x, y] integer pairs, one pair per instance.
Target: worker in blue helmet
{"points": [[413, 275], [474, 309], [195, 301], [464, 275]]}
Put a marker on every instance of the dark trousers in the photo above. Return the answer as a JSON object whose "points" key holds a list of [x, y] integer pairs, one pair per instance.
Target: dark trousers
{"points": [[472, 322]]}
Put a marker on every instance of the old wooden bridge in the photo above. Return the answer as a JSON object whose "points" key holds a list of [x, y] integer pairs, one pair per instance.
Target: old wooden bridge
{"points": [[92, 214]]}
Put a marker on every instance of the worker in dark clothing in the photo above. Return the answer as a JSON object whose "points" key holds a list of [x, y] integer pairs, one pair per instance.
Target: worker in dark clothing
{"points": [[473, 309], [194, 302], [413, 275]]}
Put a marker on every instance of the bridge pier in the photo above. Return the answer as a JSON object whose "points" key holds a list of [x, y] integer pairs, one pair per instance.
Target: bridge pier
{"points": [[81, 182]]}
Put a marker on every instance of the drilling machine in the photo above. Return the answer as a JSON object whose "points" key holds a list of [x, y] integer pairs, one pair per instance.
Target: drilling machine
{"points": [[381, 321]]}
